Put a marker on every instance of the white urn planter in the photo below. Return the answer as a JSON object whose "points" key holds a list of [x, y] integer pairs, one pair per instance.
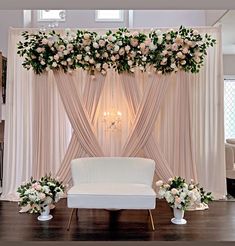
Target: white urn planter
{"points": [[45, 215], [178, 217]]}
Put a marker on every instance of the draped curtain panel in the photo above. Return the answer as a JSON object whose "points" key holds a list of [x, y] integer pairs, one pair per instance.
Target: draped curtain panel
{"points": [[176, 119]]}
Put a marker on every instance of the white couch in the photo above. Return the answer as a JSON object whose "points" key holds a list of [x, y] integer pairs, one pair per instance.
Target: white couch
{"points": [[112, 183]]}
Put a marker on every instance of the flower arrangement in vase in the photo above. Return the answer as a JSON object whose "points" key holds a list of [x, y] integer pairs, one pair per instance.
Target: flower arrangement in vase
{"points": [[202, 201], [36, 196], [181, 196]]}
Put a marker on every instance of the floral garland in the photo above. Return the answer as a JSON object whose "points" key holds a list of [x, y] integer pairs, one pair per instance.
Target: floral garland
{"points": [[182, 49]]}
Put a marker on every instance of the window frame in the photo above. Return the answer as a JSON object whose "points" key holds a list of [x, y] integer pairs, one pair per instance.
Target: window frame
{"points": [[97, 19], [39, 18]]}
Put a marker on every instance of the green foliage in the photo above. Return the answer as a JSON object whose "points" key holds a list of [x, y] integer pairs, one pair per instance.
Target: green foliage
{"points": [[183, 49]]}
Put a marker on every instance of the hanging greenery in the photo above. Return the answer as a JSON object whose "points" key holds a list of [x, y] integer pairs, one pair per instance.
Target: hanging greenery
{"points": [[183, 49]]}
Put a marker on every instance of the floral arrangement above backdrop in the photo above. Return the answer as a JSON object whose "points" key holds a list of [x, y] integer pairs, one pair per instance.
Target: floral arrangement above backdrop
{"points": [[181, 195], [35, 195], [170, 51]]}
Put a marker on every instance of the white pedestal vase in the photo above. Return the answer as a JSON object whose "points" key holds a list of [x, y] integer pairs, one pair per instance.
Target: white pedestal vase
{"points": [[178, 217], [45, 215]]}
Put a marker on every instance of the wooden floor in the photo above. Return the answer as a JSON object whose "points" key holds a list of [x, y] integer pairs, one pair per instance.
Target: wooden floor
{"points": [[215, 224]]}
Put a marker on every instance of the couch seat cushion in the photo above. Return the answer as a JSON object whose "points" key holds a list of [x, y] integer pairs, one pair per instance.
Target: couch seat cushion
{"points": [[111, 196]]}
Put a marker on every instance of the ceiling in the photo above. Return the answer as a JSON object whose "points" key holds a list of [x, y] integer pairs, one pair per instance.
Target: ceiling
{"points": [[114, 4]]}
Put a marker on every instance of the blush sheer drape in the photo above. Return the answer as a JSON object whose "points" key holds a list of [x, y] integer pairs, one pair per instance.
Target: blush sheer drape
{"points": [[177, 120]]}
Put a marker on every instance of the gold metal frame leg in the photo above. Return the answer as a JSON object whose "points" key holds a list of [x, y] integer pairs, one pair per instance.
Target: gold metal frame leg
{"points": [[151, 218], [70, 219]]}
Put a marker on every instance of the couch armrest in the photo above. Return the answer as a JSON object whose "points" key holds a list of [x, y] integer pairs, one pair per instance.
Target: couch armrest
{"points": [[229, 156]]}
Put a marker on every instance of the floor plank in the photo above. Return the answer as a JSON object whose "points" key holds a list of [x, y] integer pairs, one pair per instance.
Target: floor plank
{"points": [[215, 224]]}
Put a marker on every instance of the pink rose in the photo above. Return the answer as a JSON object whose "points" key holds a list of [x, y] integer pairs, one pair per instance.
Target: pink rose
{"points": [[134, 42]]}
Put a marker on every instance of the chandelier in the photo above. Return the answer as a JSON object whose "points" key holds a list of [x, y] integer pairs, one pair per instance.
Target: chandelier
{"points": [[112, 119]]}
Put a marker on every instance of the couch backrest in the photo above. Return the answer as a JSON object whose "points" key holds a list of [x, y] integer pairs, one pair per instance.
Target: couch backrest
{"points": [[113, 170]]}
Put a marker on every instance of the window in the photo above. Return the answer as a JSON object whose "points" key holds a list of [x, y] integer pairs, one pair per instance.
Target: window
{"points": [[51, 15], [109, 15], [229, 108]]}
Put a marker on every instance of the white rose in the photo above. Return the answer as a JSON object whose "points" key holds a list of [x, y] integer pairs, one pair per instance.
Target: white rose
{"points": [[159, 183], [130, 63], [127, 48], [60, 54], [164, 52], [195, 32], [158, 32], [65, 52], [132, 70], [183, 195], [168, 37], [185, 50], [95, 45], [101, 43], [86, 58], [161, 193], [79, 57], [160, 39], [134, 34], [111, 38], [41, 196], [56, 57], [42, 62], [87, 48], [197, 59], [173, 65], [86, 36], [61, 47], [105, 55], [97, 55], [54, 64], [113, 58], [174, 191], [174, 47], [105, 66], [69, 47], [91, 61], [121, 51], [103, 72], [183, 62], [98, 66], [116, 48], [39, 50], [144, 58], [119, 43], [44, 41], [152, 46], [64, 63], [50, 43]]}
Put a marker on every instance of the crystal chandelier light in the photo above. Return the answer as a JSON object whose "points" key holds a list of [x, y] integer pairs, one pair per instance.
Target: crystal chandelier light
{"points": [[112, 119]]}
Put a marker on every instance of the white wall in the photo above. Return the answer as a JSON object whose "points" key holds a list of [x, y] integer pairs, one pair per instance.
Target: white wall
{"points": [[212, 16], [229, 64], [169, 18], [86, 19], [8, 18]]}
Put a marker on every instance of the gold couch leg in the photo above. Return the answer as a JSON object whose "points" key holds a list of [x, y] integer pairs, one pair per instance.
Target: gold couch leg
{"points": [[151, 218], [70, 219]]}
